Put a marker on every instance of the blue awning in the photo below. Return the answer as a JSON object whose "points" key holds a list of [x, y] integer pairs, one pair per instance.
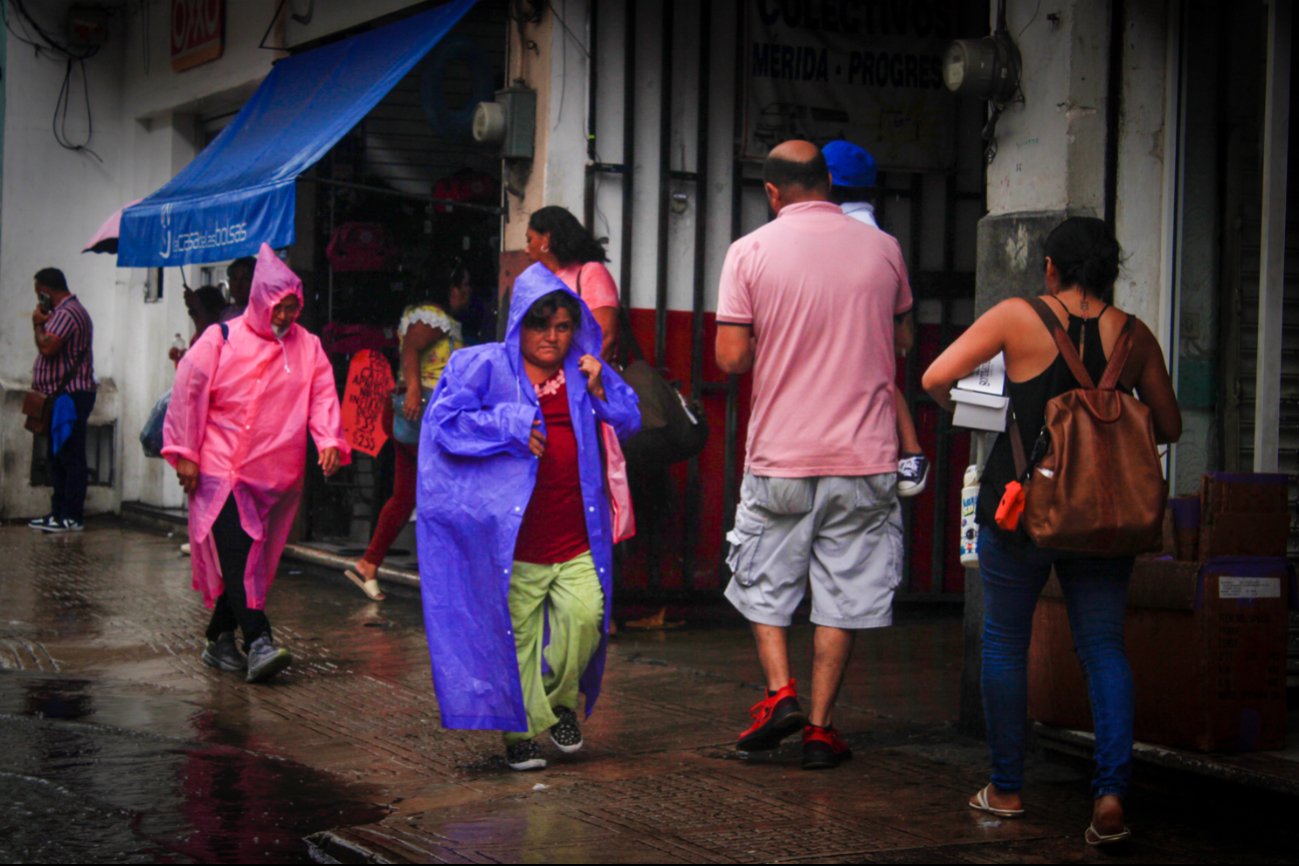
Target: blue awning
{"points": [[239, 191]]}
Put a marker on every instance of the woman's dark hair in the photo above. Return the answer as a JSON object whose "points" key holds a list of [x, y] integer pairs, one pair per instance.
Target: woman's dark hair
{"points": [[210, 301], [569, 240], [439, 277], [1085, 253], [538, 315]]}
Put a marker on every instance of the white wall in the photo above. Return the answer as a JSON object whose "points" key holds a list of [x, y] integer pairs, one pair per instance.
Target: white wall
{"points": [[1143, 143], [54, 200]]}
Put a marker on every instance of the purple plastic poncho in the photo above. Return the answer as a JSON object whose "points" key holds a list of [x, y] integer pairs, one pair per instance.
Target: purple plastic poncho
{"points": [[476, 476]]}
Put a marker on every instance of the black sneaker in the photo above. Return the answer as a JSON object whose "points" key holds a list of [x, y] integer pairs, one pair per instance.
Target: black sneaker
{"points": [[265, 660], [48, 523], [70, 525], [223, 654], [525, 756], [565, 733], [913, 474]]}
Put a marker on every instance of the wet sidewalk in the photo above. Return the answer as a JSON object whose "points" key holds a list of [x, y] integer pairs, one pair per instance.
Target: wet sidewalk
{"points": [[117, 744]]}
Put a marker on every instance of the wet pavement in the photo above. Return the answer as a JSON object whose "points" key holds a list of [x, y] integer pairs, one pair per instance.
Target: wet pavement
{"points": [[118, 745]]}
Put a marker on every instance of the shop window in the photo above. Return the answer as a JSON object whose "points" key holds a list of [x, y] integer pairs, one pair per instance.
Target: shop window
{"points": [[99, 457], [153, 282]]}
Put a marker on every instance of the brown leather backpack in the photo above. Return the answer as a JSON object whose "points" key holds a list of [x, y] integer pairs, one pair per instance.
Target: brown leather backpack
{"points": [[1099, 488]]}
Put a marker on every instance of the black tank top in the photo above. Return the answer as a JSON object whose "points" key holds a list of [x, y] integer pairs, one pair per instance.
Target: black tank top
{"points": [[1029, 400]]}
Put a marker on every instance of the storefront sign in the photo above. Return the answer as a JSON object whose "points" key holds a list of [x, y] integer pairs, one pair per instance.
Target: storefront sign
{"points": [[367, 394], [864, 70], [198, 32]]}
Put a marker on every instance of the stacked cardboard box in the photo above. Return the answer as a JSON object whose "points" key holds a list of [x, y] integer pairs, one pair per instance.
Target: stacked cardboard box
{"points": [[1206, 638]]}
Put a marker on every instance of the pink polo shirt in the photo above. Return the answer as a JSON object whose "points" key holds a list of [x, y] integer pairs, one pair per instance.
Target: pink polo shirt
{"points": [[820, 290]]}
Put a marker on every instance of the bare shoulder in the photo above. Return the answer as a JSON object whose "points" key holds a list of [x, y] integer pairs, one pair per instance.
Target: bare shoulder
{"points": [[1013, 312]]}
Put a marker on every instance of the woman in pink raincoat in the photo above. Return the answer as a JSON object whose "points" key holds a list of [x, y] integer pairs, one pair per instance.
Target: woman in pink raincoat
{"points": [[244, 398]]}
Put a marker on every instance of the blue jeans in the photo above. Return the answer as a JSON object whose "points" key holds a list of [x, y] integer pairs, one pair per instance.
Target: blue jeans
{"points": [[1095, 592]]}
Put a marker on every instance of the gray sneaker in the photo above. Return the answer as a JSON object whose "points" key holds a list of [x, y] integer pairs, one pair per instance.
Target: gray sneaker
{"points": [[223, 654], [565, 733], [265, 660]]}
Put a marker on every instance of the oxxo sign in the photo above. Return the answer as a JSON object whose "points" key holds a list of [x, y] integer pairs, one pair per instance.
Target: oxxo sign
{"points": [[197, 32]]}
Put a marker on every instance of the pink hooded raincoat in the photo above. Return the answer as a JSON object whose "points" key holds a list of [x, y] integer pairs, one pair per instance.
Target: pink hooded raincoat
{"points": [[241, 407]]}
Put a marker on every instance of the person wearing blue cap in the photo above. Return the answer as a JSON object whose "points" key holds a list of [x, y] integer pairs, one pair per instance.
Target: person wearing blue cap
{"points": [[852, 187]]}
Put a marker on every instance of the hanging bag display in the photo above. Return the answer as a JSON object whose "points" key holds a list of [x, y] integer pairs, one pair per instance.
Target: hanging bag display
{"points": [[1098, 485]]}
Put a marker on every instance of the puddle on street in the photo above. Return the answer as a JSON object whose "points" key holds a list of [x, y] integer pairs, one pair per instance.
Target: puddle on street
{"points": [[92, 772]]}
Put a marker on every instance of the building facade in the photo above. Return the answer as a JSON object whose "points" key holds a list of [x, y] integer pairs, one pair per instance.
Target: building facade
{"points": [[1167, 117]]}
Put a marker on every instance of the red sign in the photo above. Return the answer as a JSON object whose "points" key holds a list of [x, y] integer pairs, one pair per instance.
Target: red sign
{"points": [[365, 398], [198, 32]]}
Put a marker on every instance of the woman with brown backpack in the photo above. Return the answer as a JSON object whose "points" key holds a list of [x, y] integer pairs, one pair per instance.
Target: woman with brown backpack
{"points": [[1070, 458]]}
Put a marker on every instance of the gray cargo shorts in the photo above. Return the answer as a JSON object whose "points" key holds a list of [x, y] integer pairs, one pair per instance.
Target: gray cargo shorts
{"points": [[843, 533]]}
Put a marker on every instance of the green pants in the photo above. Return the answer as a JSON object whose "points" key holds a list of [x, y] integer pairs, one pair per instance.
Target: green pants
{"points": [[570, 593]]}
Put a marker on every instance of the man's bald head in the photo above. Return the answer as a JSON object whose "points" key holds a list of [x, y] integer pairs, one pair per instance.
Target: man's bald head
{"points": [[798, 170]]}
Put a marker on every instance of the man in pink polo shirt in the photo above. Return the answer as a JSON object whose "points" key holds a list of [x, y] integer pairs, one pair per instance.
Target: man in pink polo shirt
{"points": [[810, 303]]}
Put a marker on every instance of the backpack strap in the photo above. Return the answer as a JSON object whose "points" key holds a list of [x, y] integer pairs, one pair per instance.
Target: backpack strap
{"points": [[1017, 446], [1119, 357]]}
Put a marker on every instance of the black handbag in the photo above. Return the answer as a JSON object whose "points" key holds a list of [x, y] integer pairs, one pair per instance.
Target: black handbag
{"points": [[673, 427]]}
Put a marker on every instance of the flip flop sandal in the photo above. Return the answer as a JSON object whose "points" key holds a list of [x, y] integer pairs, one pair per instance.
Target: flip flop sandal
{"points": [[1099, 840], [980, 802], [369, 587]]}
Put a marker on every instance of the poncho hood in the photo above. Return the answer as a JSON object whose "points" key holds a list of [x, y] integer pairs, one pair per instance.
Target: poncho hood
{"points": [[531, 286], [272, 282]]}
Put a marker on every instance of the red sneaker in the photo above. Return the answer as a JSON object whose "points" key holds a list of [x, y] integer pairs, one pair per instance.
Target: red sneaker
{"points": [[774, 719], [823, 748]]}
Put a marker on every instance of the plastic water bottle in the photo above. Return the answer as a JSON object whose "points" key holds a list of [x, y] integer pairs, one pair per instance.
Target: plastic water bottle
{"points": [[969, 517]]}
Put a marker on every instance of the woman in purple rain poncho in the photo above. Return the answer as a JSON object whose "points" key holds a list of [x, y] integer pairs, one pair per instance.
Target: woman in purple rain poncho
{"points": [[478, 468]]}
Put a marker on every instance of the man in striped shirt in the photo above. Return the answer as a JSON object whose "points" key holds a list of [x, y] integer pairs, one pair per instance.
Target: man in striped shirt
{"points": [[65, 364]]}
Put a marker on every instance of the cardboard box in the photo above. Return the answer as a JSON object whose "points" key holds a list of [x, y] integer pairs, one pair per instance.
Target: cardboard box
{"points": [[1244, 514], [1207, 646]]}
